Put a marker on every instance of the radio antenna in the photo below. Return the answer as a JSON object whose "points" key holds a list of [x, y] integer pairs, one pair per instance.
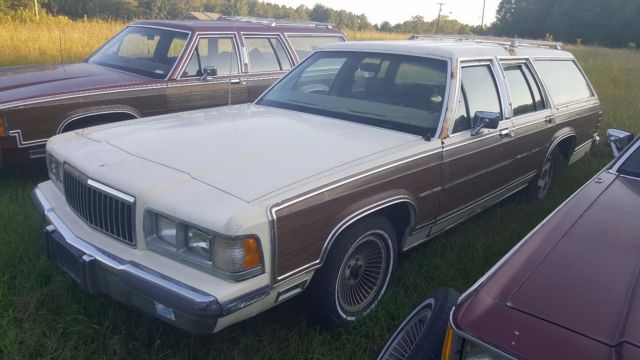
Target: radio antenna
{"points": [[60, 42]]}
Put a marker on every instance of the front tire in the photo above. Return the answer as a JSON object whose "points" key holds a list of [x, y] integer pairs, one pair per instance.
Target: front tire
{"points": [[356, 272]]}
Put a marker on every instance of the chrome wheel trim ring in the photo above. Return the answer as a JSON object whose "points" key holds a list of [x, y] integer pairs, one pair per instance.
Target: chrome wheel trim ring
{"points": [[364, 274], [544, 180]]}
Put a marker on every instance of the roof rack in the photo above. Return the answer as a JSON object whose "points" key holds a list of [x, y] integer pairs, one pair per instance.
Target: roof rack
{"points": [[275, 22], [513, 43]]}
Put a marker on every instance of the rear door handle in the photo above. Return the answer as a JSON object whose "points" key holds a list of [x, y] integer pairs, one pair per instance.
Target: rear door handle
{"points": [[235, 81]]}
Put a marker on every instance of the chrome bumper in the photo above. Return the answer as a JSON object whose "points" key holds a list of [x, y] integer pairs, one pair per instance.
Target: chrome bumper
{"points": [[97, 271]]}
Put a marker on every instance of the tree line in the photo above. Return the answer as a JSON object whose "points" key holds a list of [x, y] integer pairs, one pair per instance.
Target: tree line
{"points": [[176, 9], [612, 23]]}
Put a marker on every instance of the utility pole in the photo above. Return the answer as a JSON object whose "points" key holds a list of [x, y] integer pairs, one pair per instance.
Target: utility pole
{"points": [[35, 6], [484, 4], [440, 5]]}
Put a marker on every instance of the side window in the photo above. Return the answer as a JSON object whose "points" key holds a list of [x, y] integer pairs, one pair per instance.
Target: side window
{"points": [[305, 45], [479, 92], [266, 54], [564, 80], [525, 93], [218, 52]]}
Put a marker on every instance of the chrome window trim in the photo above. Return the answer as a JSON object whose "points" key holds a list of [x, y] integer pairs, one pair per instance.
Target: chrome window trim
{"points": [[447, 85], [594, 95], [93, 113], [283, 42], [277, 280], [528, 63], [289, 35], [621, 160], [191, 48], [180, 55], [494, 66]]}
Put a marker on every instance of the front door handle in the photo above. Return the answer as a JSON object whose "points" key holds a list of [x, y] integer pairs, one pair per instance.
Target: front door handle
{"points": [[235, 81], [550, 119], [505, 133]]}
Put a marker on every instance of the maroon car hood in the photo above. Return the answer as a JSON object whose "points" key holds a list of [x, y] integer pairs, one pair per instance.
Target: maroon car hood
{"points": [[37, 81], [572, 288], [589, 282]]}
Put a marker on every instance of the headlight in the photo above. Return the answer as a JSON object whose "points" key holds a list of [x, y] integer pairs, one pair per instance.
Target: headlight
{"points": [[232, 258], [54, 167], [474, 351]]}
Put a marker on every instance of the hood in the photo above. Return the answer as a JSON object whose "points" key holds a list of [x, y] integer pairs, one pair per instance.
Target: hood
{"points": [[589, 281], [36, 81], [248, 151]]}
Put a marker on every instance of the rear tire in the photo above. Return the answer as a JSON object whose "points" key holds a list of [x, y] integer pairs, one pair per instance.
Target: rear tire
{"points": [[356, 272], [421, 334], [541, 183]]}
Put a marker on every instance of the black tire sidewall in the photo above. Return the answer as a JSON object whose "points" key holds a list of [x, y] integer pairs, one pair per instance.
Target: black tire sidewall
{"points": [[324, 285]]}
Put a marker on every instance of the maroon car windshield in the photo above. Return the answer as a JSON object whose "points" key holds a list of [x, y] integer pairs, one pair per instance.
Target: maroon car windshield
{"points": [[150, 52], [631, 166]]}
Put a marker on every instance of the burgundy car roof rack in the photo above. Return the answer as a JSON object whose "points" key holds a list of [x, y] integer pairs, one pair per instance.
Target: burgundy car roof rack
{"points": [[275, 22]]}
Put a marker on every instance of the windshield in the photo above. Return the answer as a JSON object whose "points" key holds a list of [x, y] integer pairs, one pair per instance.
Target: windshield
{"points": [[404, 93], [631, 166], [144, 51]]}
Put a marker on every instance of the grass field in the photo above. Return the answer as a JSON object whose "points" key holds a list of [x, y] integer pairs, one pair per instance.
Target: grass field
{"points": [[43, 314]]}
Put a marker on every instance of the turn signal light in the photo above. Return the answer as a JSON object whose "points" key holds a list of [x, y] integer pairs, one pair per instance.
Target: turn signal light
{"points": [[3, 127], [447, 346], [251, 253]]}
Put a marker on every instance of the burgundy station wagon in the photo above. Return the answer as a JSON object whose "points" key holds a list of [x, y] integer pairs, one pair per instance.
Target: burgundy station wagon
{"points": [[569, 290], [150, 68]]}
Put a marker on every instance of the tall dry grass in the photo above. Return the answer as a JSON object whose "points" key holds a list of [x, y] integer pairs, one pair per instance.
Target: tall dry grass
{"points": [[49, 39]]}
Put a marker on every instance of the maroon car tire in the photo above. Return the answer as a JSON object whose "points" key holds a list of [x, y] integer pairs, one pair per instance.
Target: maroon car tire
{"points": [[356, 272], [421, 334]]}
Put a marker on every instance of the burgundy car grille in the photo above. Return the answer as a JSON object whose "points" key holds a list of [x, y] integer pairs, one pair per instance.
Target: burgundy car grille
{"points": [[104, 211]]}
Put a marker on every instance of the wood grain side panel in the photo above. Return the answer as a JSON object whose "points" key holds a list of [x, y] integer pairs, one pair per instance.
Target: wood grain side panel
{"points": [[41, 120], [303, 228]]}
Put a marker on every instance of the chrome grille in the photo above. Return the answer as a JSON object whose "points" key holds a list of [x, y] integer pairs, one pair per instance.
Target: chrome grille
{"points": [[100, 208]]}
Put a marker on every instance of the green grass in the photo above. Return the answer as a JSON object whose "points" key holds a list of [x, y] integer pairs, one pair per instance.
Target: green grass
{"points": [[44, 314]]}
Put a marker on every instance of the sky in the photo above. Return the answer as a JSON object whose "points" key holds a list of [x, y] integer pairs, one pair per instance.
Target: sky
{"points": [[395, 11]]}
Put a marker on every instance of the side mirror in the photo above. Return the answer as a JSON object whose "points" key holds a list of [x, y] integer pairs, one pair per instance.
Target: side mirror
{"points": [[485, 119], [618, 140], [209, 71]]}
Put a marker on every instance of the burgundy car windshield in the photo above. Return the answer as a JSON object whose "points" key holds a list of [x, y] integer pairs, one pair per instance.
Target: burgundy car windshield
{"points": [[144, 51], [398, 92], [631, 166]]}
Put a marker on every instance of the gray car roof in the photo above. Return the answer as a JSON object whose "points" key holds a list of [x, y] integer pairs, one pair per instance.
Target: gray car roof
{"points": [[453, 50]]}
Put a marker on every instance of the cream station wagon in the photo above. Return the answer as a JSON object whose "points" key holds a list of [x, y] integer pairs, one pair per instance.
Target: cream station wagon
{"points": [[364, 150]]}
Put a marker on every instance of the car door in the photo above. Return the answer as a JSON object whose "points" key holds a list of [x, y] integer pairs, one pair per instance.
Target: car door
{"points": [[532, 117], [475, 167], [192, 90], [267, 61]]}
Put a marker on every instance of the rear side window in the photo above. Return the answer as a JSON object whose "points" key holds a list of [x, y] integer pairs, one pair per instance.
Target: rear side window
{"points": [[565, 81], [305, 45], [479, 92], [266, 54], [525, 93]]}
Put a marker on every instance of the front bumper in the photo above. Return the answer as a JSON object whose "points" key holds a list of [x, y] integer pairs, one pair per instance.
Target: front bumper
{"points": [[97, 271]]}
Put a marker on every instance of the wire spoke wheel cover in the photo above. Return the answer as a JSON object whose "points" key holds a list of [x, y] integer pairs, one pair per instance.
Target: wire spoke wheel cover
{"points": [[363, 274], [402, 345], [545, 178]]}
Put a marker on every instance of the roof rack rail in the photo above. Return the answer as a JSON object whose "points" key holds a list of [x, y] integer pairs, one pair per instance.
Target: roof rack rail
{"points": [[275, 22], [514, 43]]}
